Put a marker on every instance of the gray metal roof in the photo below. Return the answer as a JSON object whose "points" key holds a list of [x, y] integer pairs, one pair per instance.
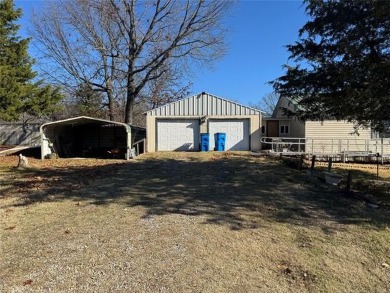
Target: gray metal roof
{"points": [[80, 120], [201, 105]]}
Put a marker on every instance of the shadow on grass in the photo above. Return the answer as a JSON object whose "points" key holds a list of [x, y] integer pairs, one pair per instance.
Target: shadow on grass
{"points": [[240, 192]]}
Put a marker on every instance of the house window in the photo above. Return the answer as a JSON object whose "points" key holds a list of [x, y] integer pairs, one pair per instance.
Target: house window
{"points": [[284, 129], [263, 129]]}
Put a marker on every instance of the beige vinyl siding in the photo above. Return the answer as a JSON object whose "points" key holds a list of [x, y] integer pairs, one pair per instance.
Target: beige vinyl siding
{"points": [[334, 129], [335, 136]]}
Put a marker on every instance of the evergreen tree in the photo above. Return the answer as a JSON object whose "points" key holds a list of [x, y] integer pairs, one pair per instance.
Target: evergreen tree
{"points": [[18, 93], [88, 102], [342, 68]]}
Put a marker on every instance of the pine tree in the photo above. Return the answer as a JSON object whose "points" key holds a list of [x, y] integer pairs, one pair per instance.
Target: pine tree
{"points": [[342, 60], [88, 102], [18, 91]]}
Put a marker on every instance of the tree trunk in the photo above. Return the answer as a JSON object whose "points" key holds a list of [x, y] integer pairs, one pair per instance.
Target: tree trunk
{"points": [[111, 104], [130, 101], [116, 35]]}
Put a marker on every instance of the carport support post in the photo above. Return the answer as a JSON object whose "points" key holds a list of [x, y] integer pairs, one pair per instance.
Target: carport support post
{"points": [[128, 149]]}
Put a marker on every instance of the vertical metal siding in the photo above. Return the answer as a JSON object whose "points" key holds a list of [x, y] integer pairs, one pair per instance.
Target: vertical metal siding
{"points": [[202, 105]]}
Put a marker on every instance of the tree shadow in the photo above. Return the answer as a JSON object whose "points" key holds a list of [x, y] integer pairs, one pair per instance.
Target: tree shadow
{"points": [[241, 192]]}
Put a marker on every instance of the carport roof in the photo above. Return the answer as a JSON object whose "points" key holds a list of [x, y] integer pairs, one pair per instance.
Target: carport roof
{"points": [[81, 120]]}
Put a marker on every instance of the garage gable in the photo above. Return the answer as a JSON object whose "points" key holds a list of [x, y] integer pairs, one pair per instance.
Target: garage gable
{"points": [[203, 104]]}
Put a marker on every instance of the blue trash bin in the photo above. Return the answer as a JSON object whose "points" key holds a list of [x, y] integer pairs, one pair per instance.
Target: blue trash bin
{"points": [[204, 142], [219, 139]]}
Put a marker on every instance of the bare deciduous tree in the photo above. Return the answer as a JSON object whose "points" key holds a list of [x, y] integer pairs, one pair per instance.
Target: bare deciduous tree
{"points": [[166, 89], [267, 103], [121, 46]]}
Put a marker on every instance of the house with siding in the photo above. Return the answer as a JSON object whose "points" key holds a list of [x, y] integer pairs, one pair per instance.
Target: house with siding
{"points": [[325, 136], [279, 125]]}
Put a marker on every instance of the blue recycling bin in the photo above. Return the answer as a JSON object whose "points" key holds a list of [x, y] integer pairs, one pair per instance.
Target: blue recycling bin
{"points": [[219, 139], [204, 142]]}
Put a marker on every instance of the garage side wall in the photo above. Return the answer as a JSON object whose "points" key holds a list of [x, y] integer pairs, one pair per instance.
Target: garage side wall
{"points": [[151, 133], [255, 132]]}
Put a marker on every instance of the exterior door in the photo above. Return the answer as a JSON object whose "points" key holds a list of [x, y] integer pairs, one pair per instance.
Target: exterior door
{"points": [[272, 128]]}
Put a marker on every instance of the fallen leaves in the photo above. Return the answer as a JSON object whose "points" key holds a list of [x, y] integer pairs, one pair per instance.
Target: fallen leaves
{"points": [[27, 282], [297, 273]]}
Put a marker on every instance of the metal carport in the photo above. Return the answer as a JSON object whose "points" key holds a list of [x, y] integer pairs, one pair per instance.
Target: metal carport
{"points": [[87, 137]]}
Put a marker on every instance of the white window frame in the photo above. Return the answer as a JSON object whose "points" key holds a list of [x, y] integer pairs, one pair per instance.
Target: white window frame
{"points": [[284, 129]]}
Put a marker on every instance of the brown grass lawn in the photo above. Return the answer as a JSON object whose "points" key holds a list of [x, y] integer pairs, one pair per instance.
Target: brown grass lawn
{"points": [[185, 222]]}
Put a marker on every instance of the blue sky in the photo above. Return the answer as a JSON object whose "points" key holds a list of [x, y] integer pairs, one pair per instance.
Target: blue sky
{"points": [[259, 31]]}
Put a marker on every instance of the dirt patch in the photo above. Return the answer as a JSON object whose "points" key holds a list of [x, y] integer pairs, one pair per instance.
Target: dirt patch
{"points": [[184, 222]]}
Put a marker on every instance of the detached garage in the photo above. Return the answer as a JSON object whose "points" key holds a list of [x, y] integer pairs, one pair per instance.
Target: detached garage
{"points": [[177, 126], [90, 137]]}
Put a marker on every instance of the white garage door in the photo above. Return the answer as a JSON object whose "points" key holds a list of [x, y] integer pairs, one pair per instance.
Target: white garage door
{"points": [[237, 133], [178, 135]]}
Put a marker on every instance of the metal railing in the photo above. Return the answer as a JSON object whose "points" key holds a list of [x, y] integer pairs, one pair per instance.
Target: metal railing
{"points": [[346, 147]]}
